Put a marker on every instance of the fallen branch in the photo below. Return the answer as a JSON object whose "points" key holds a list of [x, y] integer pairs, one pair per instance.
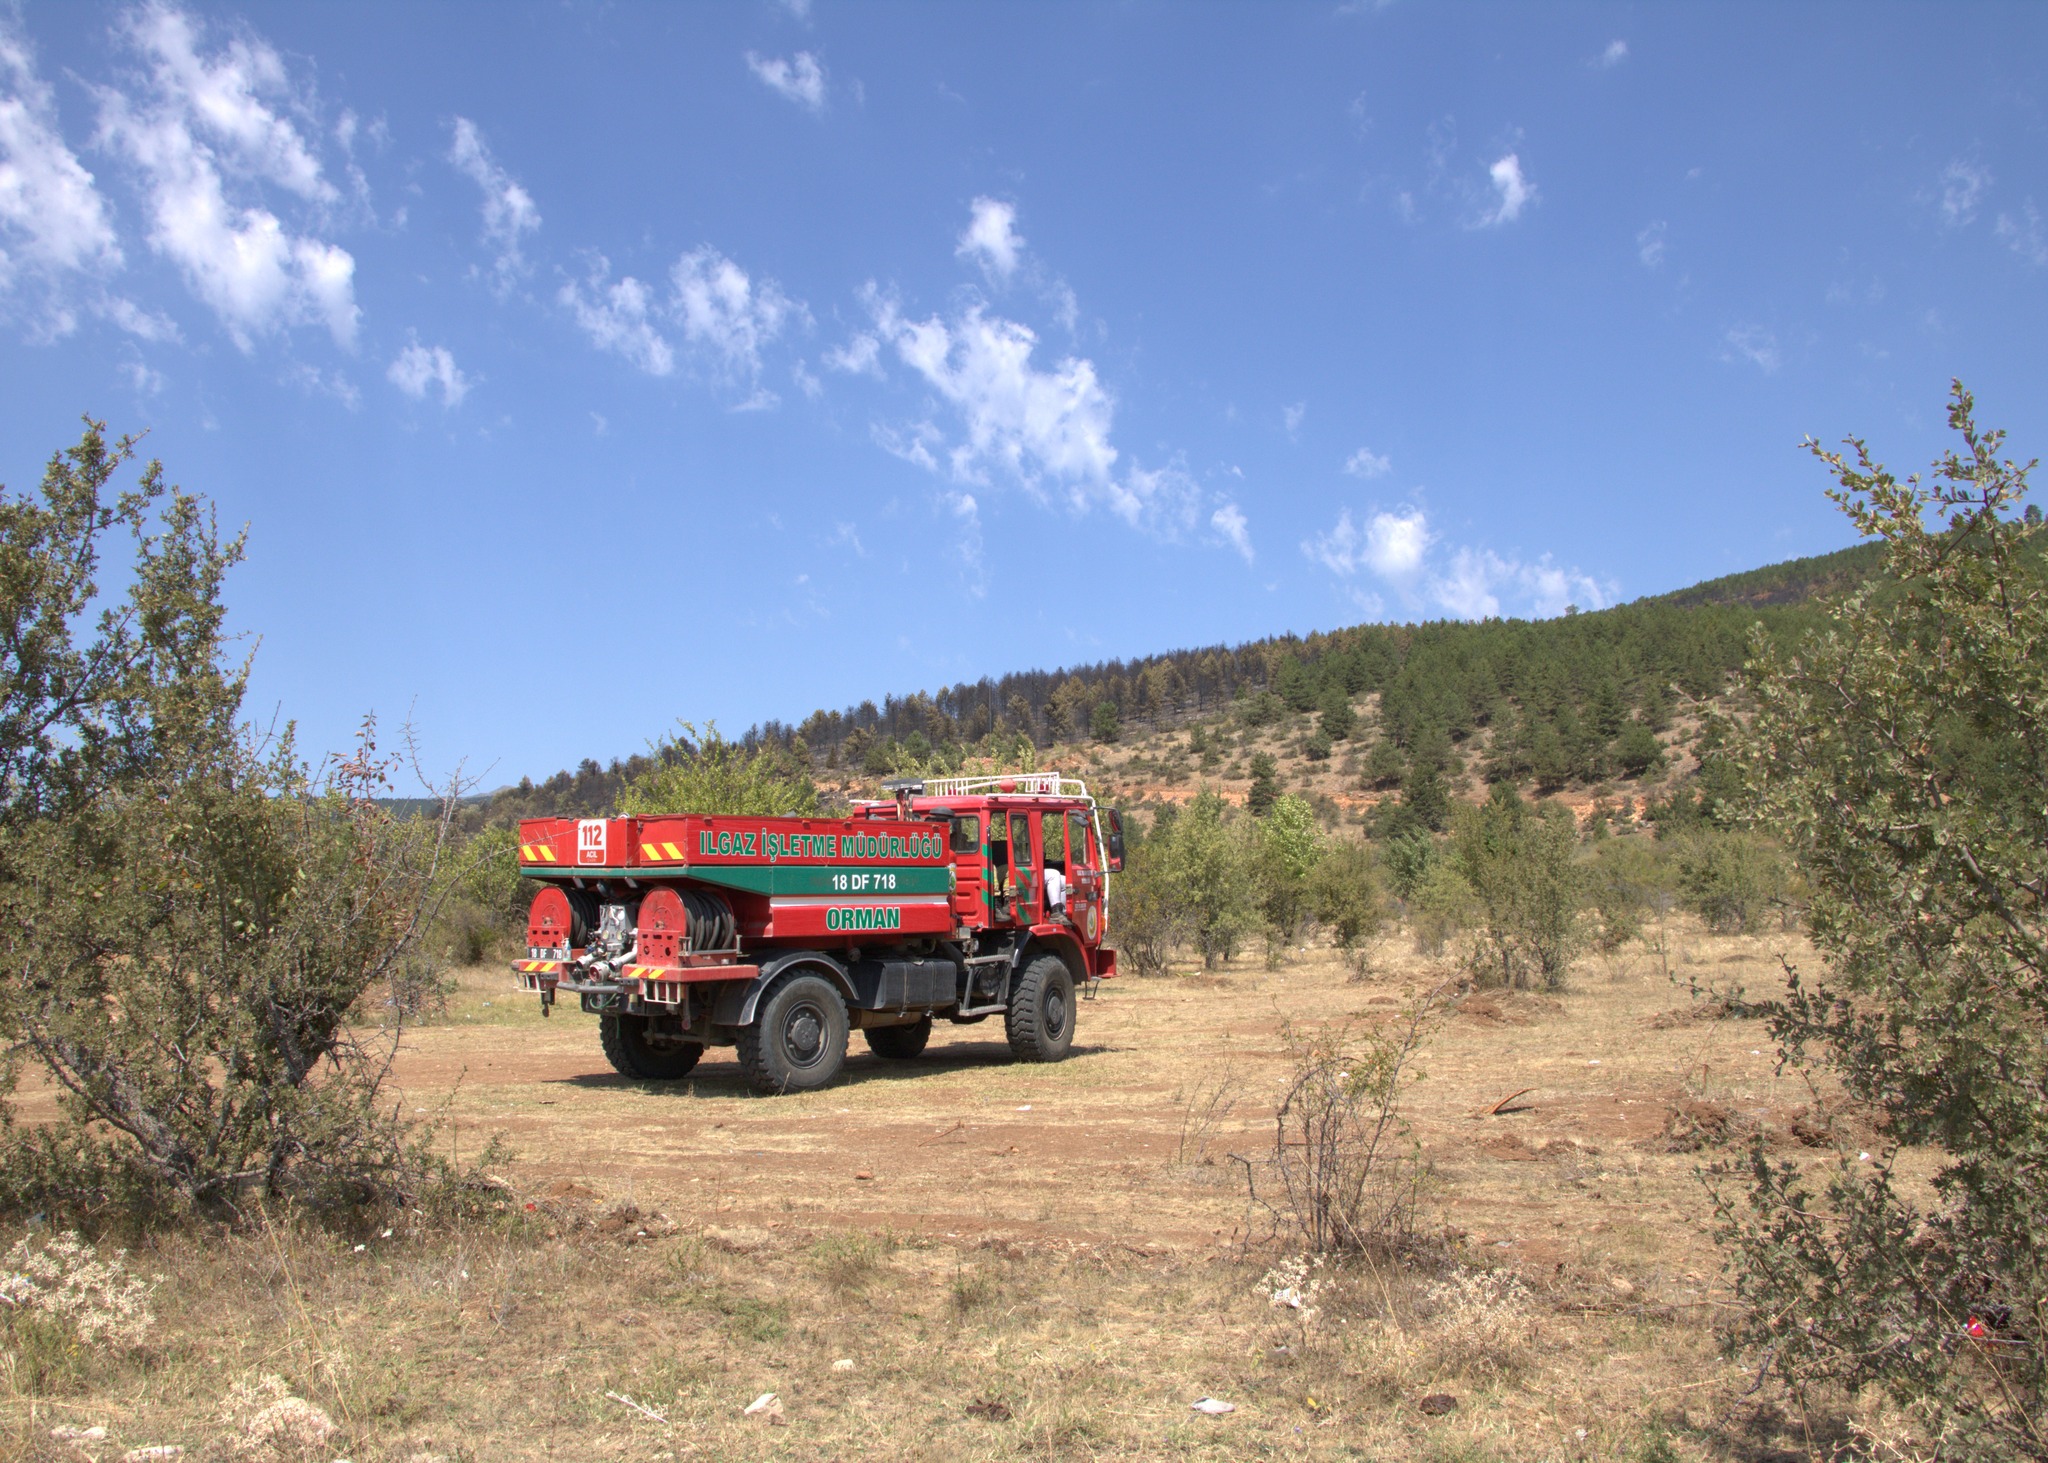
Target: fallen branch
{"points": [[643, 1411], [1501, 1108]]}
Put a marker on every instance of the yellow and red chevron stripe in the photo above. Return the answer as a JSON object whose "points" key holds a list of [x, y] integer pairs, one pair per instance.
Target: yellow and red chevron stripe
{"points": [[660, 852], [537, 853], [537, 967]]}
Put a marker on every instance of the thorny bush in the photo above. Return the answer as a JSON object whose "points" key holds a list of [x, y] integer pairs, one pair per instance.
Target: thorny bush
{"points": [[1345, 1174]]}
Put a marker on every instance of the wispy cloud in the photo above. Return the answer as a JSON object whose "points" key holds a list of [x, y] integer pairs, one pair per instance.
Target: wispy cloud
{"points": [[1366, 463], [723, 312], [1513, 192], [1402, 552], [1391, 545], [1963, 185], [1044, 427], [726, 320], [509, 210], [2023, 234], [198, 123], [52, 218], [1229, 522], [991, 239], [1293, 416], [620, 318], [800, 78], [1754, 344], [1650, 244], [1615, 53], [419, 369]]}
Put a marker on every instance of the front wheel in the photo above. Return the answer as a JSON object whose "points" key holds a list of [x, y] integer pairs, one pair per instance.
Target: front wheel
{"points": [[1041, 1015], [630, 1051], [798, 1040]]}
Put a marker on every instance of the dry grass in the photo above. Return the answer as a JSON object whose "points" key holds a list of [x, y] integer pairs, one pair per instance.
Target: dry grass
{"points": [[1045, 1263]]}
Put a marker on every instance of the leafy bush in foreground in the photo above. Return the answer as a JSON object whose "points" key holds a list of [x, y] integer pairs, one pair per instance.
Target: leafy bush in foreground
{"points": [[1903, 755]]}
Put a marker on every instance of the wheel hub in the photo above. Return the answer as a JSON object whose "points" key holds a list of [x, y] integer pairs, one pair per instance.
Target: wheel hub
{"points": [[804, 1037]]}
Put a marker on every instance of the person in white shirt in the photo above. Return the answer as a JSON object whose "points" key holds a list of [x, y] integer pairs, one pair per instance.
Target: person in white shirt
{"points": [[1055, 892]]}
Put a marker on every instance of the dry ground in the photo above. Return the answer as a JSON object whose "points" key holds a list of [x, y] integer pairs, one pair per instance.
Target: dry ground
{"points": [[1016, 1261]]}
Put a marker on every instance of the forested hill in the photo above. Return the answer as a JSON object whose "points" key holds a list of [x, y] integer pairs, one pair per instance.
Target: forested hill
{"points": [[1556, 696], [1793, 582]]}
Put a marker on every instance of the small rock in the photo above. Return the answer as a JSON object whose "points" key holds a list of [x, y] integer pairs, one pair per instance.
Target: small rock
{"points": [[1436, 1404], [844, 1364], [1621, 1287], [64, 1432], [1214, 1407], [864, 1174]]}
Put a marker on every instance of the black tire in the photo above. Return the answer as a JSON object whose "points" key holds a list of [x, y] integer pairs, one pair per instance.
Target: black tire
{"points": [[1041, 1015], [798, 1040], [629, 1051], [899, 1043]]}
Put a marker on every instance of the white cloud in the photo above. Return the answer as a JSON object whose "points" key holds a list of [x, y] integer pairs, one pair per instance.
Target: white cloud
{"points": [[1516, 192], [1754, 344], [1614, 55], [1294, 416], [801, 9], [144, 378], [1467, 588], [1963, 185], [315, 382], [1165, 502], [1650, 245], [419, 368], [861, 356], [991, 238], [51, 215], [2024, 235], [1032, 424], [204, 122], [1047, 430], [722, 311], [807, 380], [1467, 583], [801, 80], [725, 317], [1229, 521], [618, 317], [509, 210], [1396, 542], [966, 513], [1366, 463], [131, 317], [1391, 545]]}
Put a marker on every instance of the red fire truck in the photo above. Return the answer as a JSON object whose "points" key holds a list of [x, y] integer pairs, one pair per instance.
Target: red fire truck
{"points": [[781, 935]]}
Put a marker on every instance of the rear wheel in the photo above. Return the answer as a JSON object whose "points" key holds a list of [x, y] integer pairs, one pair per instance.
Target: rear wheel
{"points": [[630, 1051], [798, 1040], [1041, 1015], [899, 1043]]}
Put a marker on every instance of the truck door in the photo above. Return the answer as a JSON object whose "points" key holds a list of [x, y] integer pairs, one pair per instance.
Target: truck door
{"points": [[1025, 877], [1084, 877]]}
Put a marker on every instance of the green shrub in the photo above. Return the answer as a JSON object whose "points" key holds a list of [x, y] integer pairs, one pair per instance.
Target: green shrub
{"points": [[1902, 753]]}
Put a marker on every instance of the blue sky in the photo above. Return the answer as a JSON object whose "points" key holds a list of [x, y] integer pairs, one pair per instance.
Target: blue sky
{"points": [[578, 367]]}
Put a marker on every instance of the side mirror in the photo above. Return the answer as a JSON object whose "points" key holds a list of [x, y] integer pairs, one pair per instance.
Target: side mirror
{"points": [[1113, 828]]}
